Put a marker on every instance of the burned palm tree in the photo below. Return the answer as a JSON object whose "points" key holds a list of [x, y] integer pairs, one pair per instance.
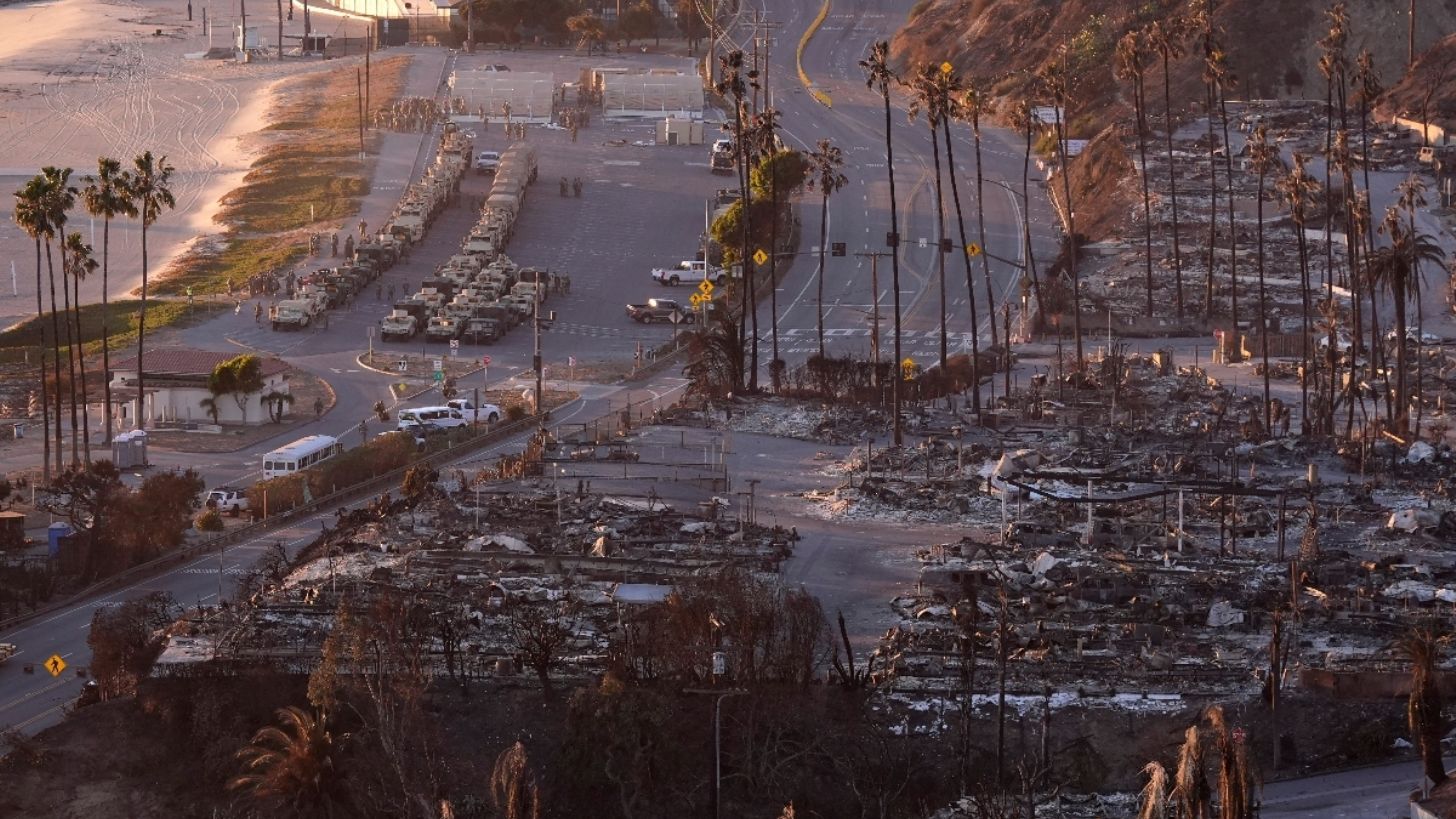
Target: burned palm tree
{"points": [[290, 768], [1422, 646], [958, 97], [80, 263], [1153, 801], [1023, 119], [1264, 157], [878, 76], [1166, 38], [61, 197], [32, 216], [1233, 767], [929, 95], [735, 84], [1298, 189], [1190, 780], [1053, 78], [1412, 196], [1396, 269], [1133, 60], [105, 196]]}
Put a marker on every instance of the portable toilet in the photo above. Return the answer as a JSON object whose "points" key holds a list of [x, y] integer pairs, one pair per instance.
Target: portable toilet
{"points": [[121, 451], [139, 447], [54, 533]]}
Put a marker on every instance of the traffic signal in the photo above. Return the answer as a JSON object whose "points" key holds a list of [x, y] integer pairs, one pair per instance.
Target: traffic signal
{"points": [[836, 249], [892, 239]]}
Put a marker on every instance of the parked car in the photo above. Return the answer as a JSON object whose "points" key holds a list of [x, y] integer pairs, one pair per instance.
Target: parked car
{"points": [[227, 500]]}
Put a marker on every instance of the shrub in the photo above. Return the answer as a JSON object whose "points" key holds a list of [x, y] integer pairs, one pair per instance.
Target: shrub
{"points": [[515, 412], [209, 521]]}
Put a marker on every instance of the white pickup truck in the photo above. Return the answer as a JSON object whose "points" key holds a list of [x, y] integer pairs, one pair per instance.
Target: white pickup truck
{"points": [[485, 413], [689, 270], [7, 650]]}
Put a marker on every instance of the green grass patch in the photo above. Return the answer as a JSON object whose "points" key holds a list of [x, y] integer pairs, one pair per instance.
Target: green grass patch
{"points": [[309, 177], [25, 338], [208, 271]]}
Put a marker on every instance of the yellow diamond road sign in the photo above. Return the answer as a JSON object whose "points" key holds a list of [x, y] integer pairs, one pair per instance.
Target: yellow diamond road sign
{"points": [[705, 287], [55, 665], [946, 68], [760, 257], [973, 250]]}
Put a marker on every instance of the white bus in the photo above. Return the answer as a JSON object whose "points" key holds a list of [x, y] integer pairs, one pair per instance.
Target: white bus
{"points": [[301, 454]]}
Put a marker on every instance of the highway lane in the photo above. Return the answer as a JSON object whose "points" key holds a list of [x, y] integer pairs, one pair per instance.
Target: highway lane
{"points": [[859, 214]]}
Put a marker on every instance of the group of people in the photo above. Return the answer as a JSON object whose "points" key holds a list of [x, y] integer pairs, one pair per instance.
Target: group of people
{"points": [[575, 186], [559, 284], [409, 114]]}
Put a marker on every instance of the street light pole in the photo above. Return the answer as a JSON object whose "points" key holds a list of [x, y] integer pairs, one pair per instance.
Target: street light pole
{"points": [[718, 695]]}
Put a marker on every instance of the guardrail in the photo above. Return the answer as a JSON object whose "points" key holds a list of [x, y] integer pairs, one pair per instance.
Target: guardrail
{"points": [[820, 96]]}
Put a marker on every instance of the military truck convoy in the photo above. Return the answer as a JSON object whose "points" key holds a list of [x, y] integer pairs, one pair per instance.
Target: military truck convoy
{"points": [[328, 288], [478, 294]]}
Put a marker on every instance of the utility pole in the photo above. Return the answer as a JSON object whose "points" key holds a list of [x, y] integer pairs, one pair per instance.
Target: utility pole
{"points": [[712, 39], [874, 256], [536, 321], [718, 695], [359, 85], [243, 31], [368, 47]]}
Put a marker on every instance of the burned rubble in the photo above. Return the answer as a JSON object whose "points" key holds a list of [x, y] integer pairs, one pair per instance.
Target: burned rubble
{"points": [[484, 559]]}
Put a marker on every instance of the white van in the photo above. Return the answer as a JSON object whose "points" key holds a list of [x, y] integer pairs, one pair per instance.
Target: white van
{"points": [[443, 417]]}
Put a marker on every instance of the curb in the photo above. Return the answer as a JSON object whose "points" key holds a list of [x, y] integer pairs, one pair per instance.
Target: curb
{"points": [[821, 97]]}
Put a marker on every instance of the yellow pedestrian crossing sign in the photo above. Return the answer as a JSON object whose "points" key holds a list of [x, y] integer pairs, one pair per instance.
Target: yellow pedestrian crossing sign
{"points": [[760, 257], [706, 288], [909, 369], [55, 665], [973, 250]]}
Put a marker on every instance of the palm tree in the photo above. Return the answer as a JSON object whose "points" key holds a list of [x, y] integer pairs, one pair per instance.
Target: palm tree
{"points": [[1021, 117], [32, 217], [929, 95], [1132, 65], [764, 140], [1154, 797], [825, 163], [513, 788], [60, 197], [1215, 67], [1166, 38], [957, 99], [1396, 269], [878, 76], [105, 195], [1423, 711], [1367, 89], [735, 84], [1263, 157], [80, 263], [151, 191], [1412, 196], [1053, 78], [290, 767], [1227, 79], [969, 107], [1298, 188], [1190, 780]]}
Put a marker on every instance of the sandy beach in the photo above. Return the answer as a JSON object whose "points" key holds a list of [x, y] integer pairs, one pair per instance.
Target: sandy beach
{"points": [[80, 79]]}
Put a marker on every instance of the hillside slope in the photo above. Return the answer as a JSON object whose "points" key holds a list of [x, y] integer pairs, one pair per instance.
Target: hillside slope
{"points": [[1271, 46]]}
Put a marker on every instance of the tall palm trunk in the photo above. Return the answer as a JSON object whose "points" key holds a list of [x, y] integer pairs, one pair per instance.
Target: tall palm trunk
{"points": [[1026, 227], [743, 261], [955, 193], [56, 360], [45, 399], [1263, 302], [897, 391], [106, 325], [940, 235], [141, 412], [81, 370], [1172, 190], [1305, 358], [1140, 113], [1066, 174], [981, 222], [1228, 175], [1210, 101], [72, 340], [1332, 353], [823, 259], [773, 265], [1401, 416]]}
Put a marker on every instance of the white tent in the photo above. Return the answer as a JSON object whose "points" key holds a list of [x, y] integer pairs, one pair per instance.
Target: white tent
{"points": [[652, 95], [529, 94]]}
